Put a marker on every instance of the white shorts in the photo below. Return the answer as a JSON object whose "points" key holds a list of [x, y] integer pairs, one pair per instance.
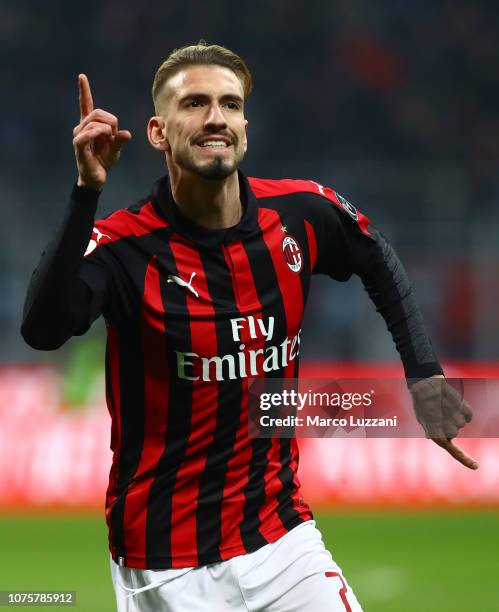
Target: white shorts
{"points": [[294, 574]]}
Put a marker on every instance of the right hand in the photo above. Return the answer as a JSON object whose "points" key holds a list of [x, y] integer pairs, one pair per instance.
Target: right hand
{"points": [[96, 139]]}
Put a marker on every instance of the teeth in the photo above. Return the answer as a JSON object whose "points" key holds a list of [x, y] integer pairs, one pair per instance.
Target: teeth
{"points": [[213, 143]]}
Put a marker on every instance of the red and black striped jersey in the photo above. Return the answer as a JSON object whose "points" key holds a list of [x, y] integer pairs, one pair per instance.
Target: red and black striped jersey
{"points": [[192, 314]]}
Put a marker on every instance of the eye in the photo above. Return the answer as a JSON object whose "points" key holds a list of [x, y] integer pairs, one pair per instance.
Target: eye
{"points": [[232, 105], [194, 103]]}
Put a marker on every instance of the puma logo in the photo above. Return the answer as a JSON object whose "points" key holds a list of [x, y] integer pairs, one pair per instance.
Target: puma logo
{"points": [[179, 281]]}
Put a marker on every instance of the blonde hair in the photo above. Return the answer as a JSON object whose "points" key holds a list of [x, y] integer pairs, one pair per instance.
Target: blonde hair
{"points": [[201, 54]]}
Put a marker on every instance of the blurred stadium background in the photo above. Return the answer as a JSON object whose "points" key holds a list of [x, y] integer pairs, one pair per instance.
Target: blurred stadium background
{"points": [[395, 105]]}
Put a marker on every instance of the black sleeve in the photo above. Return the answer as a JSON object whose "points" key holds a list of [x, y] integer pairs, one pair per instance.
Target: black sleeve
{"points": [[348, 245], [58, 303]]}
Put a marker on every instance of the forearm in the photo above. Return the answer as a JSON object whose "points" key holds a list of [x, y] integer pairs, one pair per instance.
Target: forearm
{"points": [[58, 302], [389, 288]]}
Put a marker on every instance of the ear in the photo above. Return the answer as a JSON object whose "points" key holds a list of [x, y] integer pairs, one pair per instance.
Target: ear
{"points": [[246, 132], [156, 133]]}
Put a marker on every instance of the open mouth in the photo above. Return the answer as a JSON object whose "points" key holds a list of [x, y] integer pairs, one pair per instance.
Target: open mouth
{"points": [[214, 143]]}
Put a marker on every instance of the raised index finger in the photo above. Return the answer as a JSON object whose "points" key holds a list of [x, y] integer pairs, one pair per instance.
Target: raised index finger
{"points": [[86, 102]]}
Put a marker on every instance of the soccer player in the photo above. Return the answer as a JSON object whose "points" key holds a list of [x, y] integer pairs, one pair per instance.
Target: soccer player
{"points": [[202, 285]]}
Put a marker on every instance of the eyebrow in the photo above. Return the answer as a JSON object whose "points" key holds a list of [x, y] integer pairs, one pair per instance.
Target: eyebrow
{"points": [[235, 97]]}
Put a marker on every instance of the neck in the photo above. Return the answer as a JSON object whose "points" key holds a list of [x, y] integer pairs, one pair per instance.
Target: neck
{"points": [[210, 203]]}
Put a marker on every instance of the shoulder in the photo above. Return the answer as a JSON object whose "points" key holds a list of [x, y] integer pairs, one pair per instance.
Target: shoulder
{"points": [[269, 188], [138, 220], [309, 197]]}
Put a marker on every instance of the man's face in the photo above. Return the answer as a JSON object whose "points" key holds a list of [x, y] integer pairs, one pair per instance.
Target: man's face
{"points": [[205, 128]]}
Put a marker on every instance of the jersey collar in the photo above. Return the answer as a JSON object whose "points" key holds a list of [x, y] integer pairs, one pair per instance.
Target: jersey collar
{"points": [[165, 205]]}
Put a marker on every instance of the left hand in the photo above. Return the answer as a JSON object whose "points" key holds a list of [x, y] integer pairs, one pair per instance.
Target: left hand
{"points": [[442, 412]]}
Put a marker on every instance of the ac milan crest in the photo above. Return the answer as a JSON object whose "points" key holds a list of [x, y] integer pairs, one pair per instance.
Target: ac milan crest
{"points": [[292, 254]]}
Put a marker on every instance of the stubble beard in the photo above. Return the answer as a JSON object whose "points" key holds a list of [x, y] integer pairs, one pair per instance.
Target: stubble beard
{"points": [[216, 170]]}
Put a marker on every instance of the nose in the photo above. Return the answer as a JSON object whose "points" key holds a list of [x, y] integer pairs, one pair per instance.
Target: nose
{"points": [[215, 118]]}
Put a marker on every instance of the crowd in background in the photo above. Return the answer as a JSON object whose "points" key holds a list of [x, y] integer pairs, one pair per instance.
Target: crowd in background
{"points": [[394, 103]]}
